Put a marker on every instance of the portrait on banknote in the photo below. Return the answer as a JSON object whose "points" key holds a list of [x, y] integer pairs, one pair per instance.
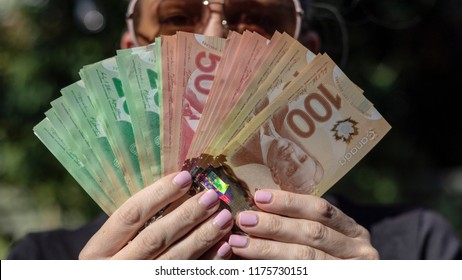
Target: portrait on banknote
{"points": [[309, 136], [290, 165]]}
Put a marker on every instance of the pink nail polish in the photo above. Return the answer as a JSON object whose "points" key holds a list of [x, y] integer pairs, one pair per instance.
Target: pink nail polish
{"points": [[223, 218], [263, 197], [247, 219], [208, 199], [224, 250], [182, 179], [238, 241]]}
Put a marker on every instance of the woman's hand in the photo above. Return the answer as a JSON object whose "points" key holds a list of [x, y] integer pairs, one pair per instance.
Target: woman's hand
{"points": [[296, 226], [188, 232]]}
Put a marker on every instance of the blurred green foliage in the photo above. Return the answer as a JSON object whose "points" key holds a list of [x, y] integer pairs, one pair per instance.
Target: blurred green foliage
{"points": [[404, 54], [43, 46]]}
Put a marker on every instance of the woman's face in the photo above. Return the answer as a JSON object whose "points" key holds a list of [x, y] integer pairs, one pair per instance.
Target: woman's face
{"points": [[166, 17]]}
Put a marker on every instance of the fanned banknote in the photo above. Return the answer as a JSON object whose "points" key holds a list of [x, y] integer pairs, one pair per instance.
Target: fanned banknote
{"points": [[198, 60], [104, 87], [240, 114], [309, 136], [138, 70]]}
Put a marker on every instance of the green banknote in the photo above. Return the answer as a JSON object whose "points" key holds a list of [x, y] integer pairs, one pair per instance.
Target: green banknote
{"points": [[83, 113], [138, 72], [104, 87], [67, 126], [66, 156]]}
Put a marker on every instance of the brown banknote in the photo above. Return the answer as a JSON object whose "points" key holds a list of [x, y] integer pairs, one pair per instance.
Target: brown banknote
{"points": [[310, 136]]}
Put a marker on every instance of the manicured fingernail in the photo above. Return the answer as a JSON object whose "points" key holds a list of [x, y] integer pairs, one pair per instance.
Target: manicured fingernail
{"points": [[238, 241], [223, 218], [208, 199], [247, 219], [224, 250], [263, 197], [182, 179]]}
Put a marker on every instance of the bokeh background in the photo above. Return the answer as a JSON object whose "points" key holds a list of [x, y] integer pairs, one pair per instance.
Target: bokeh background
{"points": [[406, 55]]}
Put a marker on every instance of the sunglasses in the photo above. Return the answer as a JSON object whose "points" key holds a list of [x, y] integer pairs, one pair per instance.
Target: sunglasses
{"points": [[262, 16]]}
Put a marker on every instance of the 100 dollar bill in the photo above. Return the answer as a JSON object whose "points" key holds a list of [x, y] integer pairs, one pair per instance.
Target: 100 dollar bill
{"points": [[309, 136]]}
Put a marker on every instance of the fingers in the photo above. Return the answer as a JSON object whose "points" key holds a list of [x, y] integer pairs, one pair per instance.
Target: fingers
{"points": [[220, 251], [299, 231], [255, 248], [125, 223], [163, 233], [206, 235], [310, 208], [313, 227], [224, 251]]}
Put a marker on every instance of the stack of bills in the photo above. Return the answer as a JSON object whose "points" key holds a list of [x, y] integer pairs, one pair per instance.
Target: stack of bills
{"points": [[240, 113]]}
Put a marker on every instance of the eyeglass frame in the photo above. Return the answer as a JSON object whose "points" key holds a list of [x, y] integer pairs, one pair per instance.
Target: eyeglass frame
{"points": [[131, 10]]}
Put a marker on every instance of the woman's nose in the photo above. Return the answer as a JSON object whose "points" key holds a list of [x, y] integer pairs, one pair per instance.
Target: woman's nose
{"points": [[214, 26]]}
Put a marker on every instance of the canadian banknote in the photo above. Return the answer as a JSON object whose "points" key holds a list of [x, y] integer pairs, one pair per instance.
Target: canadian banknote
{"points": [[240, 113]]}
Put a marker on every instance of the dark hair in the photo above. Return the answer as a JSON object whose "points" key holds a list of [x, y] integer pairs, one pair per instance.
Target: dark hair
{"points": [[307, 7]]}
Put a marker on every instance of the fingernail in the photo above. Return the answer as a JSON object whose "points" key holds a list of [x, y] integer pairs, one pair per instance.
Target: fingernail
{"points": [[223, 218], [224, 250], [263, 197], [247, 219], [182, 179], [238, 241], [208, 199]]}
